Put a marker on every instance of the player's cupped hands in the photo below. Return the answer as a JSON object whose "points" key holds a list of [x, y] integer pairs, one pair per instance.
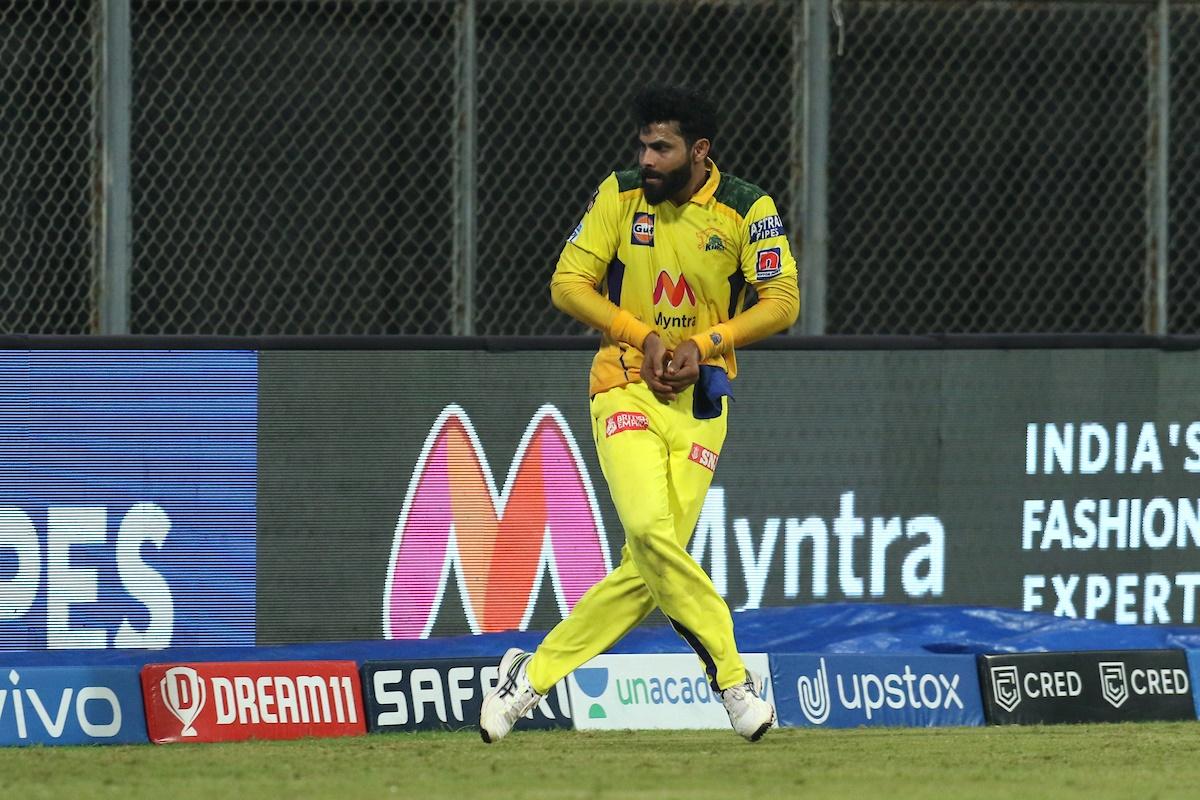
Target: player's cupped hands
{"points": [[654, 368], [683, 368]]}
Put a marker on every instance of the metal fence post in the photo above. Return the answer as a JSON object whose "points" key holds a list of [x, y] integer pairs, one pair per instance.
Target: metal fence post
{"points": [[113, 154], [1158, 57], [815, 244], [466, 152], [796, 145]]}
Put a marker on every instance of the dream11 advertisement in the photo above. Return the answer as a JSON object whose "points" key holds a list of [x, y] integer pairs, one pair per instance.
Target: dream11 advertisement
{"points": [[426, 493]]}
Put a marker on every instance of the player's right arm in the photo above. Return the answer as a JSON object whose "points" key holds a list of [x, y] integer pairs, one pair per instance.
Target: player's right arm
{"points": [[575, 286]]}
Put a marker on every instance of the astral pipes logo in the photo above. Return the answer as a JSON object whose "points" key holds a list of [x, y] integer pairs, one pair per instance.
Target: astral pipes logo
{"points": [[499, 544]]}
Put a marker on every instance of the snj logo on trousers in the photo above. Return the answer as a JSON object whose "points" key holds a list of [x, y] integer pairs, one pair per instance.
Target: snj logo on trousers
{"points": [[869, 693], [498, 543], [703, 456]]}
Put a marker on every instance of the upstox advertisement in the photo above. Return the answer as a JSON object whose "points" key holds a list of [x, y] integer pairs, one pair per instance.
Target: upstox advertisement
{"points": [[848, 691], [127, 499]]}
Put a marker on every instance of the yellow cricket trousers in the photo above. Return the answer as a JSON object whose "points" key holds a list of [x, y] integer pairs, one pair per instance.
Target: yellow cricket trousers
{"points": [[658, 461]]}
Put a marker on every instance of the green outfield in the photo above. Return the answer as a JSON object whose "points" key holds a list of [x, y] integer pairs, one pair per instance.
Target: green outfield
{"points": [[1085, 761]]}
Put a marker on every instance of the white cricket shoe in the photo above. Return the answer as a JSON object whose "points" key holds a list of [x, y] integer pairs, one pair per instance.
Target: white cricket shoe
{"points": [[749, 714], [512, 698]]}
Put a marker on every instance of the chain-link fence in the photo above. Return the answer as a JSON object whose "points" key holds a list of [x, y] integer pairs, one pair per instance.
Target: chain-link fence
{"points": [[48, 208], [412, 166], [987, 168], [1184, 296]]}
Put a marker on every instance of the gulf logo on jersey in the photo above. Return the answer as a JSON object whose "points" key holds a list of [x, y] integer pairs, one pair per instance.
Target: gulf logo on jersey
{"points": [[674, 291], [643, 229], [499, 544]]}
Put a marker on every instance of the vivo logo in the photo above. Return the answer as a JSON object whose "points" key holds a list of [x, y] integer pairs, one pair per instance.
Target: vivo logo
{"points": [[96, 709]]}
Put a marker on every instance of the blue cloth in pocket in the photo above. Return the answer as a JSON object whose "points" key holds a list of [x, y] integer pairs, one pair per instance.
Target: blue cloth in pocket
{"points": [[712, 385]]}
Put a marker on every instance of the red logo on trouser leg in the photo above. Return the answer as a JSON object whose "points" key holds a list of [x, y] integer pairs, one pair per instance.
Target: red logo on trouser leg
{"points": [[704, 457], [626, 421]]}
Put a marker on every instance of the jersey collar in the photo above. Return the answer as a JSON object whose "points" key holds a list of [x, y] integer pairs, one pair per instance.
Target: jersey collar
{"points": [[705, 192]]}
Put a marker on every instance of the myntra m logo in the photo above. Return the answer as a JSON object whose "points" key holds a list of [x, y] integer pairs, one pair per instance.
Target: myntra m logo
{"points": [[499, 543], [674, 291]]}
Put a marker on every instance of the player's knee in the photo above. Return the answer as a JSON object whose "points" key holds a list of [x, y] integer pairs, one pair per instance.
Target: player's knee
{"points": [[643, 519], [650, 534]]}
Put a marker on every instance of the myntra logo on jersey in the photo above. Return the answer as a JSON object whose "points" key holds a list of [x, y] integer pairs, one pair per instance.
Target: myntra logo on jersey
{"points": [[498, 544], [266, 700], [846, 691], [673, 290]]}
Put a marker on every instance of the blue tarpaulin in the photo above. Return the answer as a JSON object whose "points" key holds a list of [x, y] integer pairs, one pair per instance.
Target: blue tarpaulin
{"points": [[833, 628]]}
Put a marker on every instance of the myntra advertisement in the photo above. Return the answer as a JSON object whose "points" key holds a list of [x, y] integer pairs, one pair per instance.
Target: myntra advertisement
{"points": [[425, 493], [127, 498]]}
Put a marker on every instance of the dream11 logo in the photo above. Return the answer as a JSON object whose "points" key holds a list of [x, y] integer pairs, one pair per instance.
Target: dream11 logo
{"points": [[499, 544]]}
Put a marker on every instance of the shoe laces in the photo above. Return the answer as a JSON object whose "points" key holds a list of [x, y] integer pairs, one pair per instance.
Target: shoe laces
{"points": [[513, 681], [739, 691]]}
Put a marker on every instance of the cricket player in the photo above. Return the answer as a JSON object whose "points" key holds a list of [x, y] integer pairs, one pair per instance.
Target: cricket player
{"points": [[661, 264]]}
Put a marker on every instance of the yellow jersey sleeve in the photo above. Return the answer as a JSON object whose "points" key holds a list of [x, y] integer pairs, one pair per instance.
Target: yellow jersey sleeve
{"points": [[596, 233], [766, 261], [585, 258]]}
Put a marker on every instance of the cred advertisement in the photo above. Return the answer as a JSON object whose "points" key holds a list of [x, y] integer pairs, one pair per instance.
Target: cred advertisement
{"points": [[1097, 686], [225, 702], [458, 491], [445, 694], [643, 692], [843, 691]]}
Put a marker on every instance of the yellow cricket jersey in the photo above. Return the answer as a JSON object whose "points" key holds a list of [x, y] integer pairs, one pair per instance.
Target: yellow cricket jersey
{"points": [[630, 268]]}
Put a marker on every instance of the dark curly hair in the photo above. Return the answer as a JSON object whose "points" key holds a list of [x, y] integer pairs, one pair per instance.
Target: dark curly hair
{"points": [[695, 113]]}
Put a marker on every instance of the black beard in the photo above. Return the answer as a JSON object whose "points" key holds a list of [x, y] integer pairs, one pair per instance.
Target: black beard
{"points": [[672, 183]]}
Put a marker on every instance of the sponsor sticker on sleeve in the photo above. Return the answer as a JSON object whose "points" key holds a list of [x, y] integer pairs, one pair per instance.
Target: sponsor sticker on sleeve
{"points": [[766, 228], [575, 233], [770, 263]]}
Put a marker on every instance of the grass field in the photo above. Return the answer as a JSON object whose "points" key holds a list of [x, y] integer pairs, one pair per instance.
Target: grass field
{"points": [[1085, 761]]}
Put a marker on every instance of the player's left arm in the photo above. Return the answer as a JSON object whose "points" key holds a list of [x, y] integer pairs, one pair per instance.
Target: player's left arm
{"points": [[768, 264]]}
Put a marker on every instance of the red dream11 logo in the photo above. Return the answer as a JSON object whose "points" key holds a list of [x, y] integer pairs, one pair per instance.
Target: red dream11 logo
{"points": [[227, 702], [497, 543]]}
